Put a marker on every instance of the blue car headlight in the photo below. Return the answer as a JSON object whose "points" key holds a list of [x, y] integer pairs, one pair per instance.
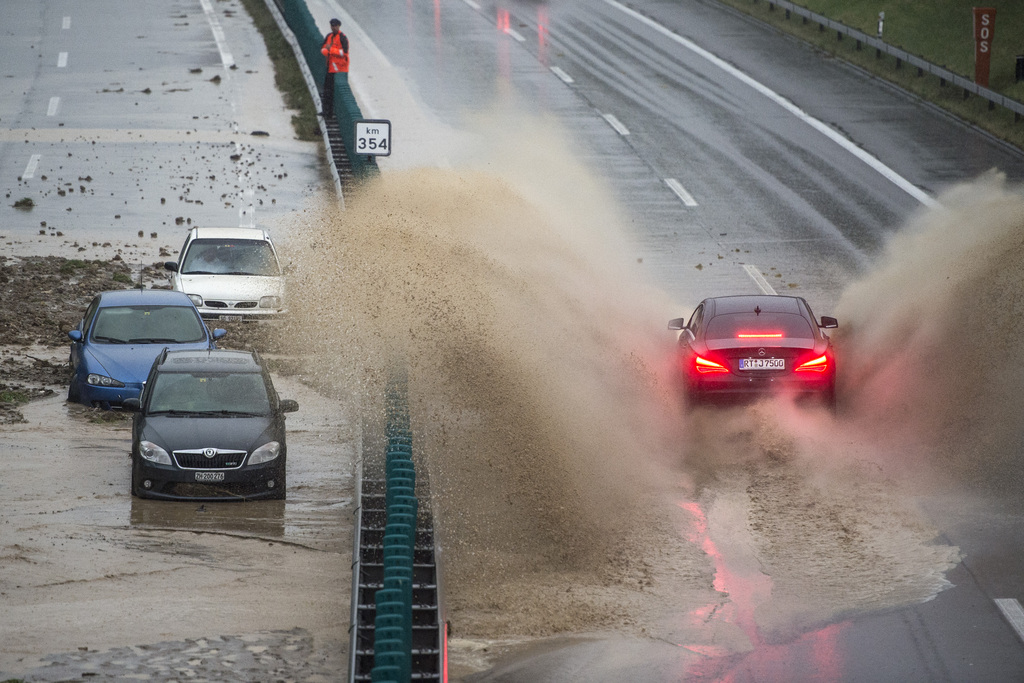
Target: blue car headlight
{"points": [[265, 453], [97, 380], [150, 451]]}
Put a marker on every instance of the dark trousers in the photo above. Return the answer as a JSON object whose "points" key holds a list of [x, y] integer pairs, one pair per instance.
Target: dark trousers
{"points": [[327, 96]]}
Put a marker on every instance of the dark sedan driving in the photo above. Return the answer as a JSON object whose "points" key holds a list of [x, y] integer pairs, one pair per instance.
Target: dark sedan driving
{"points": [[739, 347]]}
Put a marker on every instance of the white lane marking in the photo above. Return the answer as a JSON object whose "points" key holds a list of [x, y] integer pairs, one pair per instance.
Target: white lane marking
{"points": [[759, 280], [66, 23], [62, 60], [472, 4], [247, 212], [52, 109], [616, 124], [1013, 613], [821, 127], [561, 74], [512, 32], [218, 35], [680, 191], [30, 169]]}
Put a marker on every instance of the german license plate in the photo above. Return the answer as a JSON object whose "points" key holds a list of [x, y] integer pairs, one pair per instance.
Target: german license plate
{"points": [[231, 318], [762, 363], [209, 476]]}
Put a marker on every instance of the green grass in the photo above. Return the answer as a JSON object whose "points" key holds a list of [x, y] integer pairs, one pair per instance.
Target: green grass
{"points": [[287, 75], [940, 31], [11, 396]]}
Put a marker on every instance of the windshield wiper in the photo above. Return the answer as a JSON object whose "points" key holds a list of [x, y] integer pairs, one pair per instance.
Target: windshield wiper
{"points": [[172, 413], [152, 340], [109, 340], [243, 413]]}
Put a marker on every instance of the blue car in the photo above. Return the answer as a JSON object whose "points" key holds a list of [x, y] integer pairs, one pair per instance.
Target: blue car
{"points": [[121, 333]]}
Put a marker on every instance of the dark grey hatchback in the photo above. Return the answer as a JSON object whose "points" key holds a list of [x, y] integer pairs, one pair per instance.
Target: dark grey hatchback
{"points": [[209, 426]]}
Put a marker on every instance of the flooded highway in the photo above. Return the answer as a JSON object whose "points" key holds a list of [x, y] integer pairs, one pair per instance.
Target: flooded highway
{"points": [[522, 254]]}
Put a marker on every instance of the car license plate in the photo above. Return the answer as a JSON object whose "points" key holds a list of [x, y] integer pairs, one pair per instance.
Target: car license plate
{"points": [[762, 363], [231, 318], [209, 476]]}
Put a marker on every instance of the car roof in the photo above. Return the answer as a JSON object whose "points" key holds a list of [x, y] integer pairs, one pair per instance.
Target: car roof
{"points": [[144, 297], [212, 360], [725, 305], [231, 233]]}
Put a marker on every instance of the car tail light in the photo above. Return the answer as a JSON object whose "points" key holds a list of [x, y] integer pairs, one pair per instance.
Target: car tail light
{"points": [[819, 364], [705, 366]]}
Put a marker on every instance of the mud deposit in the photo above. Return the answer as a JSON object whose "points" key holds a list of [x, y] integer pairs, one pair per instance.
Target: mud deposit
{"points": [[96, 583]]}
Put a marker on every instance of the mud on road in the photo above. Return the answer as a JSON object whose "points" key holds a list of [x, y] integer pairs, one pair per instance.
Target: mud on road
{"points": [[97, 583]]}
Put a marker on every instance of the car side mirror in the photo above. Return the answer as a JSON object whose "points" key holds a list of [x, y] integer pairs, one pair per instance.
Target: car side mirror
{"points": [[676, 324], [132, 405], [219, 332], [171, 266], [828, 322], [75, 335], [289, 405]]}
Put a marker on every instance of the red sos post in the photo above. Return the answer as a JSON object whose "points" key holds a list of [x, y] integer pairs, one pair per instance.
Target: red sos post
{"points": [[984, 31]]}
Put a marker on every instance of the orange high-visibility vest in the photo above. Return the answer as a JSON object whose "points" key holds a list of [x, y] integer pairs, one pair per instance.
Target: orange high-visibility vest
{"points": [[335, 52]]}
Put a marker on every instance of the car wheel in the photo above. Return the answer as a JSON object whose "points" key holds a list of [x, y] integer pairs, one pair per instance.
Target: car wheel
{"points": [[137, 489], [74, 392], [280, 485]]}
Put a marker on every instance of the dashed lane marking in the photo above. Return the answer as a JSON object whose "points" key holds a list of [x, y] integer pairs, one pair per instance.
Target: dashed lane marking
{"points": [[66, 23], [62, 60], [561, 74], [52, 109], [616, 124], [30, 169], [474, 5], [680, 191], [512, 32], [218, 35], [755, 275]]}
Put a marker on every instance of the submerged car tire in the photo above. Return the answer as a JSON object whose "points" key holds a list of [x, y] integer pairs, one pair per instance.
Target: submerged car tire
{"points": [[280, 486], [137, 489], [74, 392]]}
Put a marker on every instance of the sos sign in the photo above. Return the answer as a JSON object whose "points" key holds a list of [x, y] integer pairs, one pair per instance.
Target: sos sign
{"points": [[373, 137], [984, 32]]}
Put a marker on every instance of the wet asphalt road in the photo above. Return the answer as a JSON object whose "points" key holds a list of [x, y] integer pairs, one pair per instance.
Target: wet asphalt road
{"points": [[642, 108], [764, 186]]}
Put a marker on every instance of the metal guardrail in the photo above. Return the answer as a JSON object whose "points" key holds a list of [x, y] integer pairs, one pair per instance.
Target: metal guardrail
{"points": [[923, 66]]}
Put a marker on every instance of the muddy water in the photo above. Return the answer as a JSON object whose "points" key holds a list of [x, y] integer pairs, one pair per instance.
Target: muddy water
{"points": [[87, 568]]}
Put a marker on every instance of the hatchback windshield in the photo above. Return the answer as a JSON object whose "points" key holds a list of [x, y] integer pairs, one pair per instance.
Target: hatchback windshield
{"points": [[214, 393], [148, 325], [230, 257]]}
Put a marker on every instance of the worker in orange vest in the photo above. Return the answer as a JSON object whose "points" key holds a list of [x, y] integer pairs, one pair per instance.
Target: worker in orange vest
{"points": [[335, 49]]}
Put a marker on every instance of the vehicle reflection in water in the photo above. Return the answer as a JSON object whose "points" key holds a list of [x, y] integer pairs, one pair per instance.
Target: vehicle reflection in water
{"points": [[812, 656], [262, 518]]}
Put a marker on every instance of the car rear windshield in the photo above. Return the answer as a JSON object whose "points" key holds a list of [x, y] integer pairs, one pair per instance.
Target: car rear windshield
{"points": [[759, 329], [215, 393], [148, 325], [230, 257]]}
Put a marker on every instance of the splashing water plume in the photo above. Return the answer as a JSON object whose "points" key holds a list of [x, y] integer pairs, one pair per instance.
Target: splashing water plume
{"points": [[535, 357]]}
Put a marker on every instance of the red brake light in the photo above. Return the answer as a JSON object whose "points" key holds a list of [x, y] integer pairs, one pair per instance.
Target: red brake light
{"points": [[759, 335], [819, 364], [704, 365]]}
